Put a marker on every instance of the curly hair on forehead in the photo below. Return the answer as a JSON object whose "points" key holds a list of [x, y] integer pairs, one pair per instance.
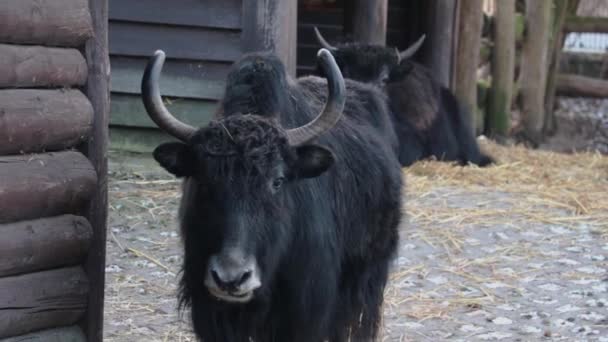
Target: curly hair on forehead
{"points": [[248, 136]]}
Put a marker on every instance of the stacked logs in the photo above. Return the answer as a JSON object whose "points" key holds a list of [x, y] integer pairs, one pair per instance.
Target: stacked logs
{"points": [[46, 184]]}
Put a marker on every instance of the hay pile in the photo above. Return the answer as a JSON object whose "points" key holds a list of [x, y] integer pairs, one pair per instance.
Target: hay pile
{"points": [[539, 180]]}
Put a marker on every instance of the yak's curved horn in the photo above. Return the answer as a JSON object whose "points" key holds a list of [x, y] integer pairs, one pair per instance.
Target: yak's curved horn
{"points": [[324, 42], [333, 108], [154, 103], [412, 49]]}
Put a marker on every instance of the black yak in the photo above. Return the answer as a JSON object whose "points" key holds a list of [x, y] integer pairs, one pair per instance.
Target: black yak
{"points": [[289, 210], [429, 120]]}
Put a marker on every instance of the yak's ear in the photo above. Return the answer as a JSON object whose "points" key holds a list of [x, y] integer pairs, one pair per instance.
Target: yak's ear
{"points": [[312, 161], [176, 158]]}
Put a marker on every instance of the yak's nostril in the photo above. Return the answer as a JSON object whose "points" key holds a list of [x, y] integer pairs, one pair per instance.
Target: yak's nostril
{"points": [[216, 278], [233, 281], [245, 277]]}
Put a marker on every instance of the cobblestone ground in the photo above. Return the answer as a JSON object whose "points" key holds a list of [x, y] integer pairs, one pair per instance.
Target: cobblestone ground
{"points": [[492, 282], [477, 262]]}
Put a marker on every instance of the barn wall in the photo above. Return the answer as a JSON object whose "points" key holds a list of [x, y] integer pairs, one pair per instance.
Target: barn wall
{"points": [[53, 105], [202, 38]]}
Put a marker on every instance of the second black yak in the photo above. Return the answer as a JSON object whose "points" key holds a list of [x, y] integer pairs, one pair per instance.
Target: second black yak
{"points": [[429, 120]]}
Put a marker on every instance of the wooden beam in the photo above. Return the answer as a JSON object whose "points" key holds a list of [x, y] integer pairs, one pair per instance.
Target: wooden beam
{"points": [[182, 79], [225, 14], [581, 86], [42, 300], [370, 21], [35, 66], [67, 334], [35, 245], [178, 42], [467, 55], [534, 68], [503, 70], [439, 46], [98, 91], [586, 24], [138, 140], [43, 185], [271, 26], [53, 23], [556, 46], [43, 120], [129, 111]]}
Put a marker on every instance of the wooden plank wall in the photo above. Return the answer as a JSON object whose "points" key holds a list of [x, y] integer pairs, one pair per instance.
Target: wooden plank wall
{"points": [[201, 38]]}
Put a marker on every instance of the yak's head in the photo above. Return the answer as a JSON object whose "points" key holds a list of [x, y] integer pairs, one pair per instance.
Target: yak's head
{"points": [[240, 172], [369, 63]]}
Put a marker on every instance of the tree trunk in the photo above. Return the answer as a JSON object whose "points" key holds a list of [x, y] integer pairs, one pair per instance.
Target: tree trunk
{"points": [[42, 300], [503, 69], [369, 21], [534, 68], [54, 23], [43, 120], [469, 45], [34, 186], [555, 51], [581, 86], [35, 245]]}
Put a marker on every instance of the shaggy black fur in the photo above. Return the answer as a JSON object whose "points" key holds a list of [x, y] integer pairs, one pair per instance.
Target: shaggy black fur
{"points": [[429, 120], [321, 219]]}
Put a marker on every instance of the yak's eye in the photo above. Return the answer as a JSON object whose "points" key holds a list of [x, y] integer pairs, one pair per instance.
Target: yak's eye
{"points": [[277, 183]]}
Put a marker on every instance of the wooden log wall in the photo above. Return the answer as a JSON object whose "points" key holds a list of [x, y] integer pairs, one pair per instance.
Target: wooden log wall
{"points": [[53, 132]]}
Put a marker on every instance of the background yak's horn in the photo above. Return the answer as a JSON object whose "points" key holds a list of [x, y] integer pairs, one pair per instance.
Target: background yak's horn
{"points": [[333, 108], [154, 103], [323, 42], [410, 51]]}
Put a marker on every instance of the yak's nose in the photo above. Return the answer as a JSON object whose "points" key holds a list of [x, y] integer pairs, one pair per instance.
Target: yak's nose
{"points": [[233, 273]]}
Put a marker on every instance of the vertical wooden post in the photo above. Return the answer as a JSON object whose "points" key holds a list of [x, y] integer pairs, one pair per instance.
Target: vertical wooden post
{"points": [[440, 40], [369, 21], [470, 22], [534, 67], [555, 53], [98, 92], [503, 68], [271, 25]]}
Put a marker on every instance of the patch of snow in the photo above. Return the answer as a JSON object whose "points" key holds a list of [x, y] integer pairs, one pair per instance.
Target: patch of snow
{"points": [[502, 321], [550, 287]]}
